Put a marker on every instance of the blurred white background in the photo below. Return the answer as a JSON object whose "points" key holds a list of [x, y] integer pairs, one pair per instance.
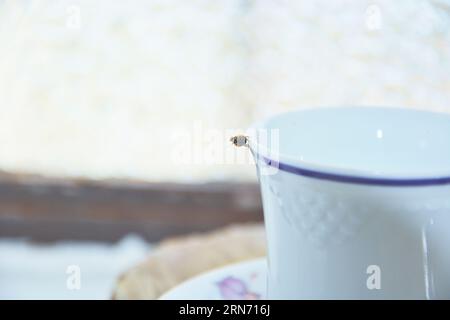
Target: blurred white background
{"points": [[108, 88], [33, 271]]}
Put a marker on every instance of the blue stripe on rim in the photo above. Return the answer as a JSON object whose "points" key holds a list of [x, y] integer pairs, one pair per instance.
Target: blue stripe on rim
{"points": [[355, 179]]}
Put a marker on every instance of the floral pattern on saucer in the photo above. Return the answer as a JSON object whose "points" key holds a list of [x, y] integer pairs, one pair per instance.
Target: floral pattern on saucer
{"points": [[241, 281], [232, 288]]}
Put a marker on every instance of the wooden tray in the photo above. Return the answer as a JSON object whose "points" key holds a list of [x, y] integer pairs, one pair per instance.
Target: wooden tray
{"points": [[49, 209]]}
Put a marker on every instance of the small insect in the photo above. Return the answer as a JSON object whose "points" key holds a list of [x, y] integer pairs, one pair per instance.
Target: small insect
{"points": [[239, 141]]}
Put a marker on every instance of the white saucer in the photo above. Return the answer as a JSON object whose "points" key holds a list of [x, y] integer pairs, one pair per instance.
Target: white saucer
{"points": [[240, 281]]}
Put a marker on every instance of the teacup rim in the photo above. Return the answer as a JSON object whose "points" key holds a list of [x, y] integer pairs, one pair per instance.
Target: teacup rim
{"points": [[287, 163]]}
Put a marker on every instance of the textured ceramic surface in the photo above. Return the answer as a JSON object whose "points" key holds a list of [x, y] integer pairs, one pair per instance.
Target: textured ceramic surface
{"points": [[242, 281], [331, 221], [323, 218]]}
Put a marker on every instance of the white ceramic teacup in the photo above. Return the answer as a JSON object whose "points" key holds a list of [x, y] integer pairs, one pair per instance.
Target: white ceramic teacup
{"points": [[356, 203]]}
